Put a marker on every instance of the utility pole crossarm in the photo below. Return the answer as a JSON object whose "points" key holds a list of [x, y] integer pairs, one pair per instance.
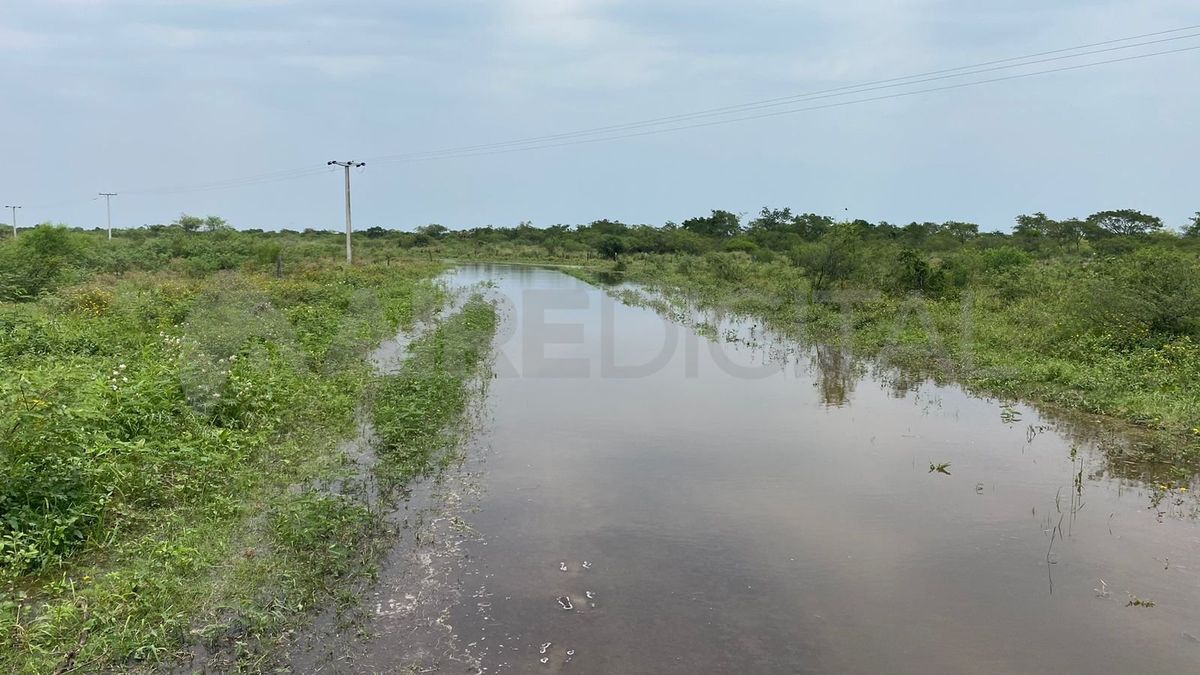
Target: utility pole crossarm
{"points": [[349, 228]]}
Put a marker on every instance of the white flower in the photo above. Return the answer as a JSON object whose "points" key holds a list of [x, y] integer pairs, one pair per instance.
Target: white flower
{"points": [[122, 366]]}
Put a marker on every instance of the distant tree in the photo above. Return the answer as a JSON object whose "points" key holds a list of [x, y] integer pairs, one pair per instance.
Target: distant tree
{"points": [[917, 233], [719, 224], [773, 220], [1193, 228], [215, 224], [961, 231], [742, 245], [811, 226], [1065, 233], [613, 227], [433, 230], [1125, 222], [832, 258], [1031, 230], [915, 273], [189, 223], [375, 232], [610, 246]]}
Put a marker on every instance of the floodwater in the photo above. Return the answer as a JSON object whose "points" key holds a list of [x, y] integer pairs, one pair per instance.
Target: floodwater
{"points": [[650, 500]]}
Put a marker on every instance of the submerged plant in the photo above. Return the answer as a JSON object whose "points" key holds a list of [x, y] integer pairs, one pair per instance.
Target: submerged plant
{"points": [[1135, 601]]}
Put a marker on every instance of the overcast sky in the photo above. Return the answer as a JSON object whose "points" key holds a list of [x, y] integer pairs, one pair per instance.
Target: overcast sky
{"points": [[132, 95]]}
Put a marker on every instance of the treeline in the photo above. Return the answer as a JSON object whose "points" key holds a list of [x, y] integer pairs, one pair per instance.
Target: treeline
{"points": [[780, 231], [928, 257]]}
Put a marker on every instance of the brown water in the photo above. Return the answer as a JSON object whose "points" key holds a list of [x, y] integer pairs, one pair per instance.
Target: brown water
{"points": [[783, 518]]}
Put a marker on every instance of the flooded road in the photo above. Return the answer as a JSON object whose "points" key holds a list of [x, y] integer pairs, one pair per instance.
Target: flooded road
{"points": [[652, 501]]}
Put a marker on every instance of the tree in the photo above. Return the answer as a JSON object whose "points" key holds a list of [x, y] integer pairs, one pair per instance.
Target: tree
{"points": [[606, 226], [433, 230], [189, 223], [1032, 229], [917, 233], [915, 273], [719, 224], [215, 224], [773, 220], [1125, 222], [1065, 233], [610, 246], [1193, 229], [811, 226], [961, 231], [831, 259]]}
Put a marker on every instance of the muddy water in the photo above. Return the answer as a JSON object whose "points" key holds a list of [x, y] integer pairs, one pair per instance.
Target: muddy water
{"points": [[760, 508]]}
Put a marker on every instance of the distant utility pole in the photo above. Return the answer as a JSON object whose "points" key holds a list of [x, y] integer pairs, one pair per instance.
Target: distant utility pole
{"points": [[347, 166], [14, 218], [108, 208]]}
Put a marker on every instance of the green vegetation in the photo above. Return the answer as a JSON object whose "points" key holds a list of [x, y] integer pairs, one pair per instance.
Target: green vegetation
{"points": [[176, 401], [414, 410], [174, 417], [1099, 314]]}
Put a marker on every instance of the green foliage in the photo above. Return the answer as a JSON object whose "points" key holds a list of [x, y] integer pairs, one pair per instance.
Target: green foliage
{"points": [[719, 224], [833, 258], [1151, 294], [1193, 228], [39, 260], [916, 274], [1125, 222], [414, 410], [433, 230], [741, 245], [148, 422], [611, 247]]}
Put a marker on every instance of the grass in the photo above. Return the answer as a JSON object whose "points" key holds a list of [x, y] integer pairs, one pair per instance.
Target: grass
{"points": [[414, 410], [168, 446]]}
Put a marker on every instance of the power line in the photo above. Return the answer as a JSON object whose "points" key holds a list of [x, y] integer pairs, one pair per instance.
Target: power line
{"points": [[672, 122], [894, 82], [245, 181], [793, 111]]}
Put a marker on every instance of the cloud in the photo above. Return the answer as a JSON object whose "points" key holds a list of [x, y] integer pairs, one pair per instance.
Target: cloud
{"points": [[339, 66], [573, 44], [12, 39]]}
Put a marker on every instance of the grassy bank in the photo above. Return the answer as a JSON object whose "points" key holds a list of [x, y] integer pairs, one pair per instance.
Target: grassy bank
{"points": [[168, 445], [1032, 335], [415, 411]]}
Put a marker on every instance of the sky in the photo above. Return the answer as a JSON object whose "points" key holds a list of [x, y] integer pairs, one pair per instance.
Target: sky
{"points": [[163, 101]]}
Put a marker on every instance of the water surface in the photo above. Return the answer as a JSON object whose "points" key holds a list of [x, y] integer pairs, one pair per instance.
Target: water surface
{"points": [[741, 518]]}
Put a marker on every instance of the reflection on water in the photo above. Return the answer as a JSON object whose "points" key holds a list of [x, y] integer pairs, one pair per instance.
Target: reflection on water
{"points": [[838, 373], [694, 494]]}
